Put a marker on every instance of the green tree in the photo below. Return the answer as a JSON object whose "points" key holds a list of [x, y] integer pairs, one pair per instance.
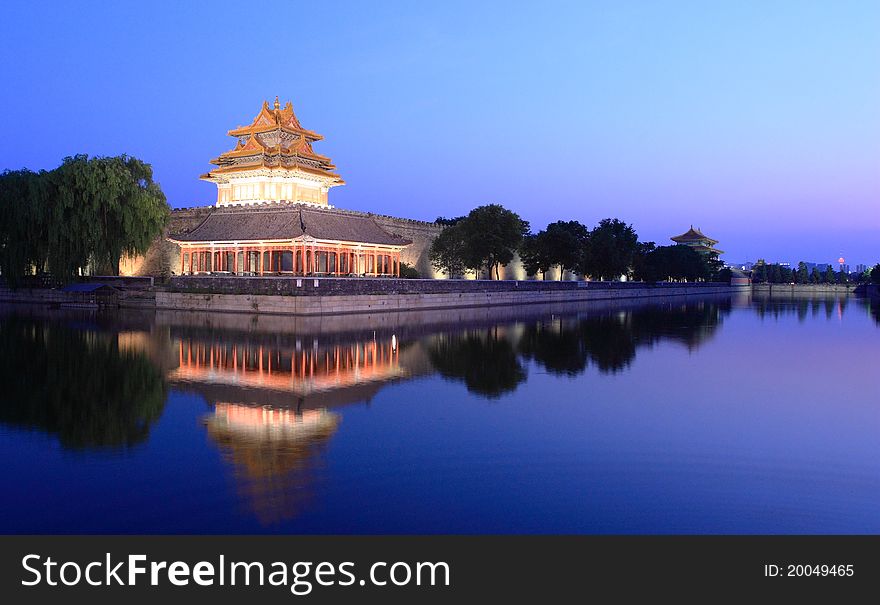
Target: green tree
{"points": [[492, 235], [787, 275], [828, 277], [815, 276], [566, 242], [842, 277], [560, 244], [449, 251], [875, 274], [674, 262], [775, 274], [442, 220], [802, 276], [407, 271], [639, 258], [609, 250], [760, 272], [535, 254], [106, 207], [22, 224]]}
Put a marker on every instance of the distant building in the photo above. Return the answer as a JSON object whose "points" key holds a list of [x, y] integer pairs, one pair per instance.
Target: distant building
{"points": [[861, 268], [699, 242]]}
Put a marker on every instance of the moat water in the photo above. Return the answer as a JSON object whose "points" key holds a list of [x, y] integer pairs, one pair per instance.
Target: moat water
{"points": [[718, 415]]}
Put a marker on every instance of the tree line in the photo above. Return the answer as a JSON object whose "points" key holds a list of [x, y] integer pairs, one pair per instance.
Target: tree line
{"points": [[490, 236], [79, 218], [774, 273]]}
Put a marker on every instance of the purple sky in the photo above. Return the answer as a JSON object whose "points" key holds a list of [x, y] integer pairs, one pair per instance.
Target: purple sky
{"points": [[758, 122]]}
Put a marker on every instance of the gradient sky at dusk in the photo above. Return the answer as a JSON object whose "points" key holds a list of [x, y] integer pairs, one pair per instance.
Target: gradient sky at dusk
{"points": [[757, 121]]}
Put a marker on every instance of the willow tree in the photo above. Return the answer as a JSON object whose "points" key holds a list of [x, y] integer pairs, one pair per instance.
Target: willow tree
{"points": [[22, 224], [104, 208]]}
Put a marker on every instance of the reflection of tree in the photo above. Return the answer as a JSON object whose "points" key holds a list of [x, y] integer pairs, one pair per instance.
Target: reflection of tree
{"points": [[76, 384], [610, 340], [830, 305], [484, 360], [489, 365], [874, 310], [273, 452], [557, 345], [691, 324], [776, 306]]}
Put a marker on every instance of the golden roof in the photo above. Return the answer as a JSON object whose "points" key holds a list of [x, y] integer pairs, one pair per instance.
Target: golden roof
{"points": [[269, 119], [275, 139]]}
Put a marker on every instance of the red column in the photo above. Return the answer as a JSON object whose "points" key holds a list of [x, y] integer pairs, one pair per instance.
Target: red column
{"points": [[181, 260], [262, 252]]}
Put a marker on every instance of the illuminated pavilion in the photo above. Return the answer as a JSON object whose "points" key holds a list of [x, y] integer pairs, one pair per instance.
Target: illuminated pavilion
{"points": [[272, 215], [698, 241]]}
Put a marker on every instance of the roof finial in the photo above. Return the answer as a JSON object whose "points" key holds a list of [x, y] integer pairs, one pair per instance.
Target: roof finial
{"points": [[277, 104]]}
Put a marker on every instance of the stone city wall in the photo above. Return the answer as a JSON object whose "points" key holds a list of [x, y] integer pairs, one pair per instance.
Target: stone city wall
{"points": [[334, 296], [163, 258], [355, 286], [422, 235]]}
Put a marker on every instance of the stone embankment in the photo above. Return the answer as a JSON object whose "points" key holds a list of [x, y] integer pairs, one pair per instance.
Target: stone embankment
{"points": [[326, 296]]}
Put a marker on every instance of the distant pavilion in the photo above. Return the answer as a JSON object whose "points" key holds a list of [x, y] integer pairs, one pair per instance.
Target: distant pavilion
{"points": [[698, 241], [272, 213]]}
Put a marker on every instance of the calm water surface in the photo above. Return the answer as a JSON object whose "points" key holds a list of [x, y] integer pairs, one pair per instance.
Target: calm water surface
{"points": [[720, 415]]}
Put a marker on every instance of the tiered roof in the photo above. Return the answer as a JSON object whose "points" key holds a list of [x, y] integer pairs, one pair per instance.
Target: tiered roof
{"points": [[275, 139], [693, 235], [697, 240], [286, 223]]}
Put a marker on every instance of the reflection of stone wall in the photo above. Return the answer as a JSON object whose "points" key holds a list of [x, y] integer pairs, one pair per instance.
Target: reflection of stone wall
{"points": [[163, 257]]}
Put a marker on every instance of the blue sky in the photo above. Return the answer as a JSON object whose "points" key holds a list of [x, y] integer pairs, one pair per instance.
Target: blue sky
{"points": [[757, 121]]}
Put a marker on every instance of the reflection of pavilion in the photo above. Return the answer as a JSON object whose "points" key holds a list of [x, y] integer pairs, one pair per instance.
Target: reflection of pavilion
{"points": [[273, 452], [270, 418], [308, 377]]}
